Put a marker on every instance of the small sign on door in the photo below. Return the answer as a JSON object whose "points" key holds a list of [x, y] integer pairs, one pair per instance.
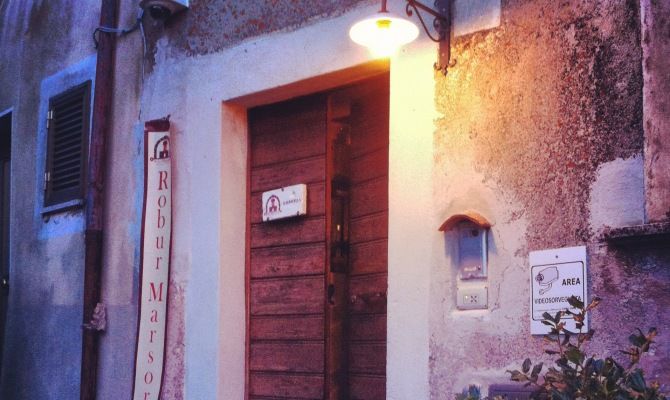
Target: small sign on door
{"points": [[555, 275], [286, 202]]}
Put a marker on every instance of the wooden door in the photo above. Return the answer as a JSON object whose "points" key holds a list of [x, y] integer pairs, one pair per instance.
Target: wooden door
{"points": [[317, 283], [287, 258], [368, 259]]}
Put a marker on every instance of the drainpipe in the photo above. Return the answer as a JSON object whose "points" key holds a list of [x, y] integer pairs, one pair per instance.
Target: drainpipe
{"points": [[93, 234]]}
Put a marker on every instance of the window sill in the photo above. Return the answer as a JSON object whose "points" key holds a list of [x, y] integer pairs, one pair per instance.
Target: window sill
{"points": [[645, 234], [61, 207]]}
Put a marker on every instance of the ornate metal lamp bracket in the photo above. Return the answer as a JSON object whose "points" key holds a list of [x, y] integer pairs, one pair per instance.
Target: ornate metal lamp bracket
{"points": [[441, 25]]}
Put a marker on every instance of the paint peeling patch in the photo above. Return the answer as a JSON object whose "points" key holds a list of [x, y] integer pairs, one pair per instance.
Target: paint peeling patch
{"points": [[475, 15], [617, 194]]}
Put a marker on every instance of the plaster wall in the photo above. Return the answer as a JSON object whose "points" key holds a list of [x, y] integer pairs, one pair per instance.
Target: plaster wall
{"points": [[51, 48], [213, 209], [248, 80], [541, 132], [45, 49], [212, 176], [479, 138]]}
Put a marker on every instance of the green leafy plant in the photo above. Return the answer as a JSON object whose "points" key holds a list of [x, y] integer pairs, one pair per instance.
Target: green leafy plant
{"points": [[576, 375]]}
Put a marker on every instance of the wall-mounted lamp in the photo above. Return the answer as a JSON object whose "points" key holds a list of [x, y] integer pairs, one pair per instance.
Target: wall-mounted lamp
{"points": [[384, 32]]}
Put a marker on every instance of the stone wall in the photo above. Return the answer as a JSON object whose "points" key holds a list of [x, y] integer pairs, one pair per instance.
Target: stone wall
{"points": [[542, 131]]}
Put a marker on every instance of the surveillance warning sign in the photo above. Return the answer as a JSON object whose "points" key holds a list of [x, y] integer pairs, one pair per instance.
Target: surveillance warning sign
{"points": [[555, 275]]}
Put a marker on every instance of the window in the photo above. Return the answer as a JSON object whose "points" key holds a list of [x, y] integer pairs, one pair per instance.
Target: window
{"points": [[67, 145]]}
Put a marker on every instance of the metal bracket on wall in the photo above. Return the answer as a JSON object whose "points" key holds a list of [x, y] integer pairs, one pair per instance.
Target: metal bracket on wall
{"points": [[441, 25]]}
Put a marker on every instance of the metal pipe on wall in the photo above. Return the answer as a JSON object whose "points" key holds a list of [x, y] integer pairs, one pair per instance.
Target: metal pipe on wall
{"points": [[93, 234]]}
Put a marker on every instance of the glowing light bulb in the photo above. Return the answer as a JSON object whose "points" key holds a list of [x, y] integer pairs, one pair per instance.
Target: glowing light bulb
{"points": [[383, 33]]}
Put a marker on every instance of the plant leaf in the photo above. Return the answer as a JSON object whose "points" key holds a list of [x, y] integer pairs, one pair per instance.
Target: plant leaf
{"points": [[566, 338], [525, 367], [574, 355], [594, 303], [637, 340], [575, 302], [517, 376], [557, 317], [637, 382], [598, 365], [536, 370], [651, 334]]}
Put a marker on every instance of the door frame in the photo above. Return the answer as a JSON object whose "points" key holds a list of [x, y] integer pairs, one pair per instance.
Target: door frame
{"points": [[236, 140], [413, 240]]}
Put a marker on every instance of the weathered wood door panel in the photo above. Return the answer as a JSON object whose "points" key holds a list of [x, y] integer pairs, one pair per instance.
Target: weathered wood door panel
{"points": [[368, 241], [287, 258], [317, 321]]}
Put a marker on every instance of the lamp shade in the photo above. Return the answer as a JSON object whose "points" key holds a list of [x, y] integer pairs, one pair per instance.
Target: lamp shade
{"points": [[383, 33]]}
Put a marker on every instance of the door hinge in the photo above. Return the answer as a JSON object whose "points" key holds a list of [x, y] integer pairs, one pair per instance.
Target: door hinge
{"points": [[50, 117], [47, 178]]}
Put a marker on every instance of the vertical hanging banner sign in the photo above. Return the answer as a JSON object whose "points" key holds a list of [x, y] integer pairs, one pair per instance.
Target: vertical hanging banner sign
{"points": [[155, 261]]}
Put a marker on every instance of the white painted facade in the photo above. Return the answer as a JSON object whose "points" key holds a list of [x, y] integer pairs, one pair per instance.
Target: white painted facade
{"points": [[221, 87]]}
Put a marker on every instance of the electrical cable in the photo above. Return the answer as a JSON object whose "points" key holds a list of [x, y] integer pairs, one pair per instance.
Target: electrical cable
{"points": [[139, 24], [144, 58], [119, 31]]}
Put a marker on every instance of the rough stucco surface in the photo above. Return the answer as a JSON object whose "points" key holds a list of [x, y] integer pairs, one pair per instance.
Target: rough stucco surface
{"points": [[212, 25], [656, 64], [531, 110]]}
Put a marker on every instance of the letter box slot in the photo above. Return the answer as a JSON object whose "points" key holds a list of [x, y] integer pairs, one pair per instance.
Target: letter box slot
{"points": [[471, 259]]}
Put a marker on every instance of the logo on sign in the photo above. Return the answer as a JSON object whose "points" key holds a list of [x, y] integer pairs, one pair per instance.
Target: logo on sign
{"points": [[161, 149], [272, 205], [545, 278]]}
